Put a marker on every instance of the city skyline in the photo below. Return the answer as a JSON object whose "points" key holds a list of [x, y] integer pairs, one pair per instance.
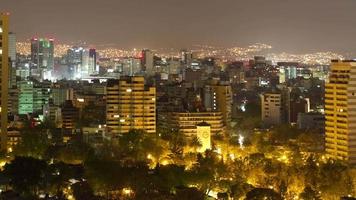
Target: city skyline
{"points": [[295, 27]]}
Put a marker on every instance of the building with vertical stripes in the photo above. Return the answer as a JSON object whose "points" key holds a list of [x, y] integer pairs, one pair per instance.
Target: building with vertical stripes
{"points": [[4, 73], [340, 112], [130, 104]]}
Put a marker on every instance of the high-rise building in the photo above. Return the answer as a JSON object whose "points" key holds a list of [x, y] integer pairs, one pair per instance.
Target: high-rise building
{"points": [[60, 95], [147, 61], [32, 97], [92, 68], [218, 97], [74, 61], [272, 109], [4, 73], [340, 111], [70, 115], [12, 46], [130, 105], [129, 66], [12, 60], [25, 97], [42, 57]]}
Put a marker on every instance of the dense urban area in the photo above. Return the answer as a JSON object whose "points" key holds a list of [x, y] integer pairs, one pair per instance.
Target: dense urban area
{"points": [[202, 123]]}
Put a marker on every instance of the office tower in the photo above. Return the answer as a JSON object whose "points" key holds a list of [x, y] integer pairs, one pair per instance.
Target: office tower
{"points": [[311, 120], [12, 60], [84, 62], [297, 106], [25, 97], [129, 66], [60, 95], [130, 105], [42, 58], [147, 61], [218, 97], [12, 47], [92, 68], [204, 136], [340, 111], [74, 61], [4, 66], [187, 57], [282, 75], [13, 101], [32, 97], [287, 71], [53, 114], [271, 108], [41, 95], [70, 115]]}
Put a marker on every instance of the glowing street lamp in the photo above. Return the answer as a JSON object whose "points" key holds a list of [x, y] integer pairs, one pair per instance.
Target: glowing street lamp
{"points": [[241, 141]]}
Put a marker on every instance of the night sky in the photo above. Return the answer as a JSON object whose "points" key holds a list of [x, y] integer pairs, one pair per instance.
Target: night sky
{"points": [[295, 26]]}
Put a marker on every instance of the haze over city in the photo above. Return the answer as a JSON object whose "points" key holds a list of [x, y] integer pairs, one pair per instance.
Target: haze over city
{"points": [[293, 26]]}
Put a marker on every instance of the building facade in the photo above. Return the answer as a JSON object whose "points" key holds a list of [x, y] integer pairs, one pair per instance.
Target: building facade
{"points": [[218, 97], [130, 105], [42, 58], [4, 73], [271, 112], [340, 111], [187, 122]]}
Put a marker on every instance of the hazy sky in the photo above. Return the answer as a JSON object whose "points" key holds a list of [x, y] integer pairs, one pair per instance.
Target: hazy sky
{"points": [[290, 25]]}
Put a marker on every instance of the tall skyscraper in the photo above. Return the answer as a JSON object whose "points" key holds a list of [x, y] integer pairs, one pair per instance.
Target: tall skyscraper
{"points": [[4, 73], [147, 61], [12, 60], [92, 69], [75, 61], [340, 111], [42, 57], [130, 105], [12, 46]]}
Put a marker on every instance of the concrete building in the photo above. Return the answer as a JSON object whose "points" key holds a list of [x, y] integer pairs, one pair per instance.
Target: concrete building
{"points": [[130, 105], [187, 121], [53, 114], [4, 73], [70, 115], [147, 61], [271, 108], [60, 95], [32, 97], [25, 97], [129, 66], [42, 58], [340, 111], [218, 97], [311, 120]]}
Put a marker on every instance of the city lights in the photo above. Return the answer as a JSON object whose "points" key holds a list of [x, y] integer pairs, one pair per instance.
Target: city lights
{"points": [[172, 100]]}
